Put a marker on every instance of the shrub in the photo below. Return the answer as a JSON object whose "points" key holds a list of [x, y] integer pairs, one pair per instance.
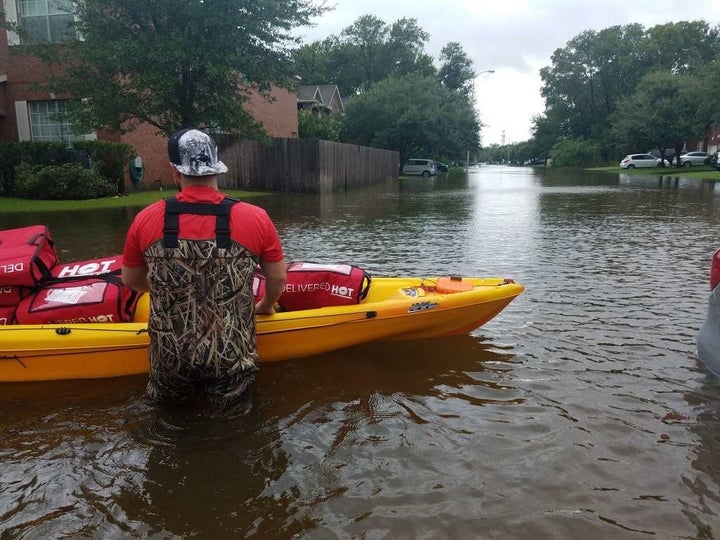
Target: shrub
{"points": [[109, 159], [70, 181], [575, 153]]}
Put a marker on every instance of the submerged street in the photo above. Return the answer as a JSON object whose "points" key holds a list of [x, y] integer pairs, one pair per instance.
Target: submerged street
{"points": [[580, 410]]}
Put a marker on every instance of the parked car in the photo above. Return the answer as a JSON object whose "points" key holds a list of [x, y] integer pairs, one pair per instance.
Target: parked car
{"points": [[423, 167], [715, 160], [441, 167], [640, 160], [693, 158]]}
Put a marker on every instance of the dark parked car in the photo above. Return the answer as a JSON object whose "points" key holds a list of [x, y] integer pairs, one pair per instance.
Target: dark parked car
{"points": [[441, 167], [715, 160]]}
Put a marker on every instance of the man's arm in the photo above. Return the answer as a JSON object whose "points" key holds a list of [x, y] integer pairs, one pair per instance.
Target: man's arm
{"points": [[136, 278], [274, 285]]}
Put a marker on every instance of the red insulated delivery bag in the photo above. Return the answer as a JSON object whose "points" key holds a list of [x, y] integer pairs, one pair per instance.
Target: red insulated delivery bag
{"points": [[715, 270], [258, 285], [10, 295], [7, 315], [26, 256], [312, 285], [92, 299]]}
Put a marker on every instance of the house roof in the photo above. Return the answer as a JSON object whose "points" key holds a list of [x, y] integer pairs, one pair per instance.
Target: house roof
{"points": [[321, 93]]}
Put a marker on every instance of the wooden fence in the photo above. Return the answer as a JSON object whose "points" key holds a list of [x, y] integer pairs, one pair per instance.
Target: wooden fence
{"points": [[304, 165]]}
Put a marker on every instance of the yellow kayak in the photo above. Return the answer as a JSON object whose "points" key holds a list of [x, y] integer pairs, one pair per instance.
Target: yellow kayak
{"points": [[394, 309]]}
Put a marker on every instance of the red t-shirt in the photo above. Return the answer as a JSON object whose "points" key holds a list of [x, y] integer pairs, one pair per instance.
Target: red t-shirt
{"points": [[250, 226]]}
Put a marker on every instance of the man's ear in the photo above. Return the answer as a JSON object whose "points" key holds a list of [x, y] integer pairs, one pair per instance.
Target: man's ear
{"points": [[177, 177]]}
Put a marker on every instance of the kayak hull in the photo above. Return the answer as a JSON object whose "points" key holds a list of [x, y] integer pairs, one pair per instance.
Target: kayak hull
{"points": [[395, 309]]}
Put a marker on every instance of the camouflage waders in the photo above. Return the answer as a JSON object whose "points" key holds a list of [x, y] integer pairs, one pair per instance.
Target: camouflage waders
{"points": [[202, 311]]}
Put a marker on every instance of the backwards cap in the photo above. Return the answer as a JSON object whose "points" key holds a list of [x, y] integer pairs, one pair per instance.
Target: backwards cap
{"points": [[194, 153]]}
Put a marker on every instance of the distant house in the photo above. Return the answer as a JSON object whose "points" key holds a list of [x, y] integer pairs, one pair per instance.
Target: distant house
{"points": [[712, 140], [323, 98]]}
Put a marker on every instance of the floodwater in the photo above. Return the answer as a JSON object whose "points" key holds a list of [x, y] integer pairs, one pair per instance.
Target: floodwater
{"points": [[581, 411]]}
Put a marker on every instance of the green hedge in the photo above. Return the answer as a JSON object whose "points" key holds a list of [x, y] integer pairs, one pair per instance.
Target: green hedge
{"points": [[107, 159], [70, 181]]}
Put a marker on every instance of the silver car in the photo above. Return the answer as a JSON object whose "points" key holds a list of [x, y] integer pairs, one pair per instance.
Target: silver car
{"points": [[693, 158], [423, 167]]}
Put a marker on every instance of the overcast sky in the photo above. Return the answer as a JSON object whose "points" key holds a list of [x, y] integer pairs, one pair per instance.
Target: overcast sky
{"points": [[513, 37]]}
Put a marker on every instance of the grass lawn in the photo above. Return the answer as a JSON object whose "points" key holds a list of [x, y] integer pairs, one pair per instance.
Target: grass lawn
{"points": [[140, 198], [701, 173]]}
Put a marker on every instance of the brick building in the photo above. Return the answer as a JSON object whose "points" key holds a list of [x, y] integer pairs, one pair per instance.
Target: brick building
{"points": [[27, 114]]}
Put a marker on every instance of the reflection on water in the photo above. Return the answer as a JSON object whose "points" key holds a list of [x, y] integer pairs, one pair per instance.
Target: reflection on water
{"points": [[580, 411]]}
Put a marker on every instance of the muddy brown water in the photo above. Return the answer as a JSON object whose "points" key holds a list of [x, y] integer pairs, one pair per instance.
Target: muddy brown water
{"points": [[579, 412]]}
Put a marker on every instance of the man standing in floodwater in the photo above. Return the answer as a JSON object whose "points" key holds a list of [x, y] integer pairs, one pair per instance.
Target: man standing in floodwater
{"points": [[196, 253]]}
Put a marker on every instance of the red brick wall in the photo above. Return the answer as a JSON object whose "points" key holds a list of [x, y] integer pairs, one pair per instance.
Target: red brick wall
{"points": [[153, 150], [279, 117]]}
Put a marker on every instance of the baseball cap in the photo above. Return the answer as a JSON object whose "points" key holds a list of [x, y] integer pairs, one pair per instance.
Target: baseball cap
{"points": [[194, 153]]}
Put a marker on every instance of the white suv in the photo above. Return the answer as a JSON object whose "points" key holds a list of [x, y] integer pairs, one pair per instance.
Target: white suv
{"points": [[424, 167]]}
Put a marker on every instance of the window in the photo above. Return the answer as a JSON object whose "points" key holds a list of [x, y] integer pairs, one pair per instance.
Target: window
{"points": [[47, 125], [44, 21]]}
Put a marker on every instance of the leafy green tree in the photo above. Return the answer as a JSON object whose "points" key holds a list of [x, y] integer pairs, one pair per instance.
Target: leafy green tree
{"points": [[319, 126], [405, 50], [708, 86], [174, 63], [575, 153], [662, 113], [682, 47], [589, 74], [456, 70], [546, 131], [368, 36], [413, 115], [595, 70], [366, 52]]}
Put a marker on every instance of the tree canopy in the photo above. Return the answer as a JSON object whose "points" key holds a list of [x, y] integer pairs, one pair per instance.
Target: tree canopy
{"points": [[662, 113], [175, 63], [399, 99], [597, 71], [457, 71], [366, 52], [413, 114]]}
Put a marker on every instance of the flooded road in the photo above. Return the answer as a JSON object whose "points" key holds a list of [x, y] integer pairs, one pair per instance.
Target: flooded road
{"points": [[580, 411]]}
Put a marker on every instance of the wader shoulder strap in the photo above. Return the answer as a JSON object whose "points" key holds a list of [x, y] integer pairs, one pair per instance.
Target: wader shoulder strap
{"points": [[173, 209]]}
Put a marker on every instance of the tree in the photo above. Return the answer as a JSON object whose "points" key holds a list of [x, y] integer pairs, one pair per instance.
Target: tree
{"points": [[175, 63], [456, 70], [589, 74], [662, 113], [574, 153], [684, 46], [596, 70], [365, 53], [413, 114], [405, 49], [319, 126], [708, 81]]}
